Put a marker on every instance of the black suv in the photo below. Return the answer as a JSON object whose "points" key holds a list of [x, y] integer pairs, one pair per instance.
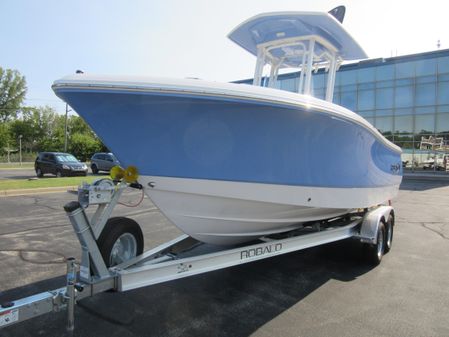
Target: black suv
{"points": [[58, 163]]}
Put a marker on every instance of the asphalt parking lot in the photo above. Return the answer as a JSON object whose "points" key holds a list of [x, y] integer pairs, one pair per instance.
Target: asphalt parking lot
{"points": [[26, 173], [323, 291]]}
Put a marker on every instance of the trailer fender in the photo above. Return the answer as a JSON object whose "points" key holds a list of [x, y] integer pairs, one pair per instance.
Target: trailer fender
{"points": [[371, 222]]}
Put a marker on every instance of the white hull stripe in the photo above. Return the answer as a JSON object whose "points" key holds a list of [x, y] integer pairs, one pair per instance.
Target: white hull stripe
{"points": [[319, 197]]}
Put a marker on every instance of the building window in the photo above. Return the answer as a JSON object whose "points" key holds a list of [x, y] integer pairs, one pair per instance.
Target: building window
{"points": [[443, 93], [318, 81], [384, 124], [403, 97], [403, 124], [443, 108], [366, 86], [384, 98], [336, 98], [289, 84], [405, 69], [405, 141], [404, 111], [425, 67], [425, 124], [425, 110], [366, 75], [426, 79], [403, 81], [443, 64], [347, 77], [368, 113], [385, 84], [425, 94], [348, 99], [384, 72], [442, 124], [319, 93], [366, 100], [384, 112]]}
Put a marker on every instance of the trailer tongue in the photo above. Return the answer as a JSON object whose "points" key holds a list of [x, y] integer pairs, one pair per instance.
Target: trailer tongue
{"points": [[113, 257]]}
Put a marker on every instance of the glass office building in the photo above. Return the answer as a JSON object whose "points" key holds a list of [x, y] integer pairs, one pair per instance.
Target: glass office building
{"points": [[406, 98]]}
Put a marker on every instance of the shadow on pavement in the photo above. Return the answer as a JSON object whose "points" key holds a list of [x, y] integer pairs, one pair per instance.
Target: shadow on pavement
{"points": [[230, 302], [422, 185], [27, 176]]}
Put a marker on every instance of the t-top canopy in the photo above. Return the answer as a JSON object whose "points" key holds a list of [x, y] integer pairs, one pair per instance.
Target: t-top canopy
{"points": [[271, 27]]}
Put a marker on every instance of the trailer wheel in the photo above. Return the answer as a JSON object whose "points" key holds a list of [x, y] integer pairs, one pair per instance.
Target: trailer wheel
{"points": [[376, 251], [120, 240], [389, 234]]}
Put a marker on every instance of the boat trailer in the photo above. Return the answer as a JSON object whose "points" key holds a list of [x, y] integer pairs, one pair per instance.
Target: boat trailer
{"points": [[112, 257]]}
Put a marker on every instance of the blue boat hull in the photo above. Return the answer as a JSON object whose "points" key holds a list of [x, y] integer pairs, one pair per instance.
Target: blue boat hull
{"points": [[235, 163], [202, 137]]}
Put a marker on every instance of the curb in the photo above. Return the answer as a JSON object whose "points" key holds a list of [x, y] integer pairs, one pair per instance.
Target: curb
{"points": [[42, 190], [16, 168], [26, 165]]}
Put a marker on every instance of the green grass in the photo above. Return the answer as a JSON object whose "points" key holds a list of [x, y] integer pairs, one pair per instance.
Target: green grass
{"points": [[16, 166], [16, 184]]}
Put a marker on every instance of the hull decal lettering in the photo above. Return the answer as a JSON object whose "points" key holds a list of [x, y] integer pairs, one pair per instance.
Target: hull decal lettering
{"points": [[252, 252]]}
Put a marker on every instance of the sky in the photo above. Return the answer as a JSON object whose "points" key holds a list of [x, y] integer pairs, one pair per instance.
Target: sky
{"points": [[48, 39]]}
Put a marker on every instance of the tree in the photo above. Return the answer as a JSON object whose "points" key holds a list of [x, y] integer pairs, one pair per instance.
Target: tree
{"points": [[5, 137], [20, 127], [12, 93], [48, 128], [41, 129], [83, 146], [77, 125]]}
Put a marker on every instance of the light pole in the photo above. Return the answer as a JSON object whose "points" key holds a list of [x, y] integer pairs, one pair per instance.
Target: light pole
{"points": [[20, 149], [65, 127]]}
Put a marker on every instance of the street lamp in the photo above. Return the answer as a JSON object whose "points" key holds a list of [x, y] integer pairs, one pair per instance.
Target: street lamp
{"points": [[20, 149]]}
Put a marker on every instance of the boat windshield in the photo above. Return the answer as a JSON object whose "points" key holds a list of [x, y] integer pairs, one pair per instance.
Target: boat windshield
{"points": [[308, 54]]}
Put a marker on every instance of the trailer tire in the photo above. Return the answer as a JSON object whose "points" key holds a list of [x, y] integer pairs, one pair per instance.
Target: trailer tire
{"points": [[120, 240], [389, 234], [375, 252]]}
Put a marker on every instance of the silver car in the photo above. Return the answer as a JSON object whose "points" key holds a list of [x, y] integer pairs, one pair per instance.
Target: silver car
{"points": [[103, 161]]}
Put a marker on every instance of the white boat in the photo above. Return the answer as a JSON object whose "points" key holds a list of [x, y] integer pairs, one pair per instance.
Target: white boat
{"points": [[228, 163]]}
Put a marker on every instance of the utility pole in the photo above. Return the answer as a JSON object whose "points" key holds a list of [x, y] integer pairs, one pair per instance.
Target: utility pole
{"points": [[67, 110], [65, 127]]}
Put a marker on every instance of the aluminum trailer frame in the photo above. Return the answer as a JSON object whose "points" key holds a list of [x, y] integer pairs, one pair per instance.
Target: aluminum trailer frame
{"points": [[178, 258]]}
